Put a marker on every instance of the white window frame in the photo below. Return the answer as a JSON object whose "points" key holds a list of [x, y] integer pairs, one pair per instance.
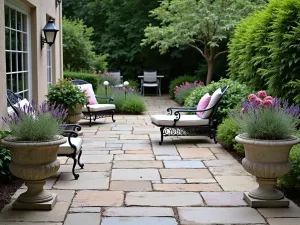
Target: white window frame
{"points": [[21, 7], [49, 66]]}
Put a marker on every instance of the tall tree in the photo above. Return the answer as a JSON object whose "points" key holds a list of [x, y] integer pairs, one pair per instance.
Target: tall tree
{"points": [[201, 24]]}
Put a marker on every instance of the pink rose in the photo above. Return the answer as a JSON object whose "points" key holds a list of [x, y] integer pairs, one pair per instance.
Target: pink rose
{"points": [[261, 94], [269, 98], [268, 102], [258, 101], [252, 97], [243, 110]]}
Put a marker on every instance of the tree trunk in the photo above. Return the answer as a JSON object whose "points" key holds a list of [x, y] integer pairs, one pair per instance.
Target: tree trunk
{"points": [[210, 70]]}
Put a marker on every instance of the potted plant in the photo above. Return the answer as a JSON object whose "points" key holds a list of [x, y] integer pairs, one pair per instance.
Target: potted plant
{"points": [[70, 96], [267, 128], [35, 135]]}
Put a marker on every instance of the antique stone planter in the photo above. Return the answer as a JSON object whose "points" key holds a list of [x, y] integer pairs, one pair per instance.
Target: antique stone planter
{"points": [[34, 162], [267, 160], [74, 115]]}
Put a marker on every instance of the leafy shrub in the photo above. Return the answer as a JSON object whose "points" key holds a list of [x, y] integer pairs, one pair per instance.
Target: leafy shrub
{"points": [[292, 179], [88, 77], [184, 90], [234, 96], [295, 90], [5, 159], [178, 81], [100, 62], [134, 84], [264, 51], [106, 76], [226, 133]]}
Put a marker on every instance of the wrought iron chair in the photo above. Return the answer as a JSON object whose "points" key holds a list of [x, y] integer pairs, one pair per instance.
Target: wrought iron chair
{"points": [[118, 78], [176, 124], [71, 148], [96, 111], [150, 80]]}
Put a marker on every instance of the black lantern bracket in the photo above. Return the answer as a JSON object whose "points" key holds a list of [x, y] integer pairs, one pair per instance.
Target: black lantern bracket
{"points": [[57, 2]]}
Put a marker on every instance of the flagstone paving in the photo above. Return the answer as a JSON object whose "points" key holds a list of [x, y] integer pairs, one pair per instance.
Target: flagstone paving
{"points": [[129, 179]]}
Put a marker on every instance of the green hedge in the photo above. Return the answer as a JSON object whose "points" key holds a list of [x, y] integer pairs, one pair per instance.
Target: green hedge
{"points": [[235, 94], [264, 51], [178, 81], [90, 78]]}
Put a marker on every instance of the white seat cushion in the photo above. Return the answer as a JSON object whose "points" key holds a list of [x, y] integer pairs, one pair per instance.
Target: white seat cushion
{"points": [[22, 103], [185, 120], [150, 84], [99, 107], [67, 149], [10, 110]]}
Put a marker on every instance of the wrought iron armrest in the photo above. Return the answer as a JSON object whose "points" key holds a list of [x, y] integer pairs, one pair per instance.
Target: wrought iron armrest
{"points": [[170, 110], [71, 134], [75, 127]]}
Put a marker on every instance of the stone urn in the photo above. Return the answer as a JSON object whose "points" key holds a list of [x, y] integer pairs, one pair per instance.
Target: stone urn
{"points": [[34, 162], [74, 115], [266, 160]]}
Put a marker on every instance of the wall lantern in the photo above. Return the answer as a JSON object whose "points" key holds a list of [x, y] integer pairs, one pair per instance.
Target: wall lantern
{"points": [[50, 31], [57, 2]]}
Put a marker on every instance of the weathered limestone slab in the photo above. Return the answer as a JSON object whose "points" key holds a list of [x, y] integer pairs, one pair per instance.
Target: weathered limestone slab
{"points": [[165, 149], [116, 152], [101, 167], [237, 183], [114, 145], [85, 210], [186, 187], [83, 218], [138, 221], [98, 198], [87, 180], [163, 199], [139, 211], [221, 215], [135, 174], [136, 146], [134, 157], [119, 128], [94, 159], [185, 173], [139, 152], [30, 223], [196, 153], [201, 180], [96, 152], [224, 156], [128, 141], [134, 137], [216, 149], [168, 157], [138, 164], [284, 221], [130, 186], [217, 163], [233, 170], [224, 198], [184, 164], [292, 211], [174, 181]]}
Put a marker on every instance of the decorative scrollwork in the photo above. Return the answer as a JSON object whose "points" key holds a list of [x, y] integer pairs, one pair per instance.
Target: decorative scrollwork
{"points": [[170, 112], [183, 131]]}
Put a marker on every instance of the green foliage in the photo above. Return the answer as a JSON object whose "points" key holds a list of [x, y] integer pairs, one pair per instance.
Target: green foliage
{"points": [[77, 46], [292, 179], [66, 94], [264, 50], [100, 62], [182, 94], [226, 133], [90, 78], [197, 23], [134, 84], [234, 96], [5, 160], [295, 90], [178, 81]]}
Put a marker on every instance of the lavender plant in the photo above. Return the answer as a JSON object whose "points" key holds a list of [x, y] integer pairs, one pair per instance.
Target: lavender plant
{"points": [[35, 122], [264, 117]]}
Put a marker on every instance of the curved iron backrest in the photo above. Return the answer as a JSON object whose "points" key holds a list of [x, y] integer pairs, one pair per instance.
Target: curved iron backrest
{"points": [[214, 108], [79, 82], [13, 98]]}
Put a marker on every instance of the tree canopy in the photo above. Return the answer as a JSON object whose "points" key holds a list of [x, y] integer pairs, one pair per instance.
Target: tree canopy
{"points": [[201, 24]]}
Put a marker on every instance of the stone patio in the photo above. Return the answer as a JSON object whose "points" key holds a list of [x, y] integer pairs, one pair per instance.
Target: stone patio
{"points": [[129, 179]]}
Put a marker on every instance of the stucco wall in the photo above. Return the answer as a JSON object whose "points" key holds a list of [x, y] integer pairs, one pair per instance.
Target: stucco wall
{"points": [[39, 11]]}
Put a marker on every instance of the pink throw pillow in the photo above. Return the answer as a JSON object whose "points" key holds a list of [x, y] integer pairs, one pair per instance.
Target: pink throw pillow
{"points": [[88, 89], [203, 103]]}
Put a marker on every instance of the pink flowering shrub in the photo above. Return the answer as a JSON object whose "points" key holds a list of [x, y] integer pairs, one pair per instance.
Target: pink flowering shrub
{"points": [[106, 76], [183, 91]]}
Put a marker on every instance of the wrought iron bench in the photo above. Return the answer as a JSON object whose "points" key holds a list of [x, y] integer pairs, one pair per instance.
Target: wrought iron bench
{"points": [[177, 124], [96, 111], [71, 148]]}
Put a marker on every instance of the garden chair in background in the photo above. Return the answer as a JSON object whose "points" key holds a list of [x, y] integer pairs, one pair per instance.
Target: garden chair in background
{"points": [[150, 80], [116, 75], [202, 123], [93, 110], [71, 148]]}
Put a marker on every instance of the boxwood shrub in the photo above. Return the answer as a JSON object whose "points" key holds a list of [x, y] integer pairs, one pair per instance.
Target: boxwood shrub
{"points": [[178, 81], [235, 94], [90, 78]]}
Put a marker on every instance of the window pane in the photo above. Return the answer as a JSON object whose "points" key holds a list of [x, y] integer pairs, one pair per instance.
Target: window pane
{"points": [[6, 9], [24, 42], [25, 81], [14, 62], [20, 82], [24, 21], [7, 59], [14, 82], [20, 64], [13, 39], [7, 39], [19, 41], [8, 82], [19, 15], [25, 62], [13, 18]]}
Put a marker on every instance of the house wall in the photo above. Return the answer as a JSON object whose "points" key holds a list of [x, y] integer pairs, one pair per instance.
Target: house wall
{"points": [[40, 11]]}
